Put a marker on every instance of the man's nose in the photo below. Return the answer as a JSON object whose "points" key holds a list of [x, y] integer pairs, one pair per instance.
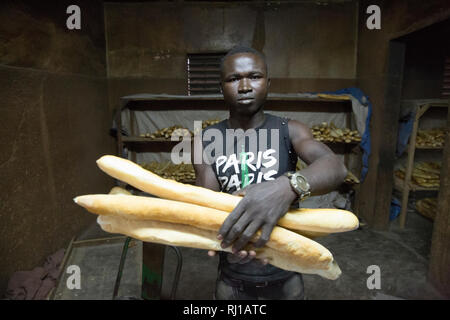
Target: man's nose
{"points": [[244, 85]]}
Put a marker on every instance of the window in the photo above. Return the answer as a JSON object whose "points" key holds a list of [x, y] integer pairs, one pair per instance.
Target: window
{"points": [[203, 70]]}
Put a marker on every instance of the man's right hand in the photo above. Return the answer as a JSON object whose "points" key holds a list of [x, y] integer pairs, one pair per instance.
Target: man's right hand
{"points": [[240, 257]]}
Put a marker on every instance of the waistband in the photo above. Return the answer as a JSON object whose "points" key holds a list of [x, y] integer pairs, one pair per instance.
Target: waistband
{"points": [[251, 284]]}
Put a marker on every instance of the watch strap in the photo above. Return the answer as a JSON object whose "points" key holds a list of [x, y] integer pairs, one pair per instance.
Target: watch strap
{"points": [[302, 194]]}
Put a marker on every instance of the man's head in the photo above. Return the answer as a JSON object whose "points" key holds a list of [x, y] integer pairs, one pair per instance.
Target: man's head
{"points": [[244, 80]]}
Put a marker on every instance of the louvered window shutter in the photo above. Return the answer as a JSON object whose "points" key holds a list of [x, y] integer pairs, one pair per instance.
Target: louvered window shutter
{"points": [[203, 70]]}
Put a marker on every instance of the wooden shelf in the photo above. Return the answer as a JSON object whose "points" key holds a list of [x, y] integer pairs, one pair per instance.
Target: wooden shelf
{"points": [[429, 148], [419, 110], [399, 185], [142, 144], [275, 102], [164, 140], [424, 147], [136, 139]]}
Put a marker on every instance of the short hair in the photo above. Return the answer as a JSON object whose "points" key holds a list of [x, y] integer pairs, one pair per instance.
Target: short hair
{"points": [[242, 49]]}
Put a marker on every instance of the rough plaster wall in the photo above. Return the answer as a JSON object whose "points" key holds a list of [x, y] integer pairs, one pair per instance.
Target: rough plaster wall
{"points": [[54, 125], [147, 43], [151, 40]]}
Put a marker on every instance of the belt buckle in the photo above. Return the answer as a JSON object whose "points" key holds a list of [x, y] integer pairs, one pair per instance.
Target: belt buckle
{"points": [[262, 284]]}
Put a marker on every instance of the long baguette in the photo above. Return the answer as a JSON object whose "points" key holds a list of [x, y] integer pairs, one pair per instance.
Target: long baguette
{"points": [[319, 221], [308, 234], [311, 253], [188, 236]]}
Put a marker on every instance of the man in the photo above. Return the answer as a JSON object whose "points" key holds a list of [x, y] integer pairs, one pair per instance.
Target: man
{"points": [[270, 172]]}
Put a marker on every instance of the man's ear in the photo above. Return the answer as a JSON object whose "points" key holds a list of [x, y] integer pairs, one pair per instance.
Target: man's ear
{"points": [[268, 83], [220, 87]]}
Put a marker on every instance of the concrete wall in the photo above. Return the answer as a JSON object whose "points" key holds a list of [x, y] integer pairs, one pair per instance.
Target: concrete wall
{"points": [[309, 47], [379, 77], [54, 125]]}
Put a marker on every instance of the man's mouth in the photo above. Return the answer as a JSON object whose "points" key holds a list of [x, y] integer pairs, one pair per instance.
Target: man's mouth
{"points": [[246, 100]]}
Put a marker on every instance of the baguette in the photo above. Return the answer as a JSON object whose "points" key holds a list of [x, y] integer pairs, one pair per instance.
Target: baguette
{"points": [[310, 253], [315, 221], [119, 190], [188, 236]]}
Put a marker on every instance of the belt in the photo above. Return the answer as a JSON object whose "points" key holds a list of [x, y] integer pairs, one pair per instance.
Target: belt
{"points": [[250, 284]]}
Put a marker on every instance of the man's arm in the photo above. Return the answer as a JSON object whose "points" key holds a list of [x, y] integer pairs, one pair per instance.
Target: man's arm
{"points": [[325, 172], [265, 203], [205, 177], [204, 174]]}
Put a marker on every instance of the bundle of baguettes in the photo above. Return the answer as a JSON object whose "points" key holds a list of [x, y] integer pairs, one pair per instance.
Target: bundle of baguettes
{"points": [[314, 221], [190, 236], [155, 220], [194, 219]]}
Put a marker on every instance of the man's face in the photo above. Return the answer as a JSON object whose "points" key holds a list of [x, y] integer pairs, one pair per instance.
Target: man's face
{"points": [[244, 82]]}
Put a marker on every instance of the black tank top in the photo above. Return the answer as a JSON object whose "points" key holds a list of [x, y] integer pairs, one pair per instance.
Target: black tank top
{"points": [[269, 154]]}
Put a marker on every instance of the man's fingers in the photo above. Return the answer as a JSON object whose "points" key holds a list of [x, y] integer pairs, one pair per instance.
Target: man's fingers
{"points": [[265, 235], [232, 218], [246, 256], [247, 235], [243, 256], [237, 257], [235, 232], [211, 253], [250, 256], [240, 193]]}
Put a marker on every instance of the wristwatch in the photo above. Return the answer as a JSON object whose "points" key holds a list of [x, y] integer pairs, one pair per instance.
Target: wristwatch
{"points": [[299, 184]]}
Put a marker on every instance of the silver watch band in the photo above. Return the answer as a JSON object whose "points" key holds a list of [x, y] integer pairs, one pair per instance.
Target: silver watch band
{"points": [[302, 192]]}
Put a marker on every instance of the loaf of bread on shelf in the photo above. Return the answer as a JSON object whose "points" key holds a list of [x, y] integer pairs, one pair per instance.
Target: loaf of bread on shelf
{"points": [[427, 207]]}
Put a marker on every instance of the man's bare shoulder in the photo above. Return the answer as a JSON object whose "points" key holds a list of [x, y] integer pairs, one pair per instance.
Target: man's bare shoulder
{"points": [[299, 131]]}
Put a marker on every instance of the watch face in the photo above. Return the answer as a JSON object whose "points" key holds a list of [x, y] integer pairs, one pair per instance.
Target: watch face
{"points": [[302, 184]]}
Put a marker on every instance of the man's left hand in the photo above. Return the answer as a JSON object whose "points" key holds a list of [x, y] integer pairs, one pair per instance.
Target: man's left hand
{"points": [[261, 208]]}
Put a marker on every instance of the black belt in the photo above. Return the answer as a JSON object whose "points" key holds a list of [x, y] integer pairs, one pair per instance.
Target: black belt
{"points": [[250, 284]]}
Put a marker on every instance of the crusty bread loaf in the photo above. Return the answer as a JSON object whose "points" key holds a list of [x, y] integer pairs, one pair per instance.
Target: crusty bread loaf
{"points": [[119, 190], [319, 221], [315, 221], [142, 179], [189, 236], [312, 254]]}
